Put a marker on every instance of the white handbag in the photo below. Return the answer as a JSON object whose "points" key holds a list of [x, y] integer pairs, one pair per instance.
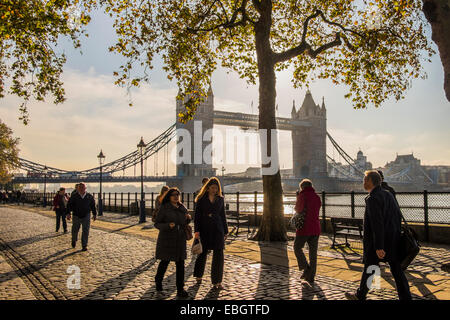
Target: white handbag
{"points": [[197, 247]]}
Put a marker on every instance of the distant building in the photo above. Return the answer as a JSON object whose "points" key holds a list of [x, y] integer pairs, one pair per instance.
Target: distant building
{"points": [[407, 168], [340, 170]]}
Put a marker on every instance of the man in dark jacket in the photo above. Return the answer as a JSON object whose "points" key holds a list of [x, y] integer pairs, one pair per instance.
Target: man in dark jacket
{"points": [[382, 230], [81, 203]]}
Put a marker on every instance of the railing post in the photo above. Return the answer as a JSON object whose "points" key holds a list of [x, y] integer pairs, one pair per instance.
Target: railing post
{"points": [[193, 200], [256, 207], [352, 196], [324, 222], [238, 213], [109, 201], [153, 204], [425, 209], [129, 209], [121, 202], [188, 199], [182, 197]]}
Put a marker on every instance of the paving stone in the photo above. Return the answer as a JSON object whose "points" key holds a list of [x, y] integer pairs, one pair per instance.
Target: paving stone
{"points": [[121, 265]]}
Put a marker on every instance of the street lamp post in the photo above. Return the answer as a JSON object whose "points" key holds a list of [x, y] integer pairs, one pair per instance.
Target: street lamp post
{"points": [[101, 158], [44, 201], [141, 147]]}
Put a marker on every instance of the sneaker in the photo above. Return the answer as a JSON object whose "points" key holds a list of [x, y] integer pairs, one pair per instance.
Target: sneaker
{"points": [[182, 294], [84, 249], [74, 244], [351, 296]]}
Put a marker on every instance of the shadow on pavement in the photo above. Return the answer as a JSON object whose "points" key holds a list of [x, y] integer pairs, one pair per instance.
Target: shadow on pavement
{"points": [[113, 286], [309, 292], [169, 284], [274, 271]]}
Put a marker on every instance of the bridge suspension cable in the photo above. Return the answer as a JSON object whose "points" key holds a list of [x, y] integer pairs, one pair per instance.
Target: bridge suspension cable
{"points": [[122, 163], [344, 155]]}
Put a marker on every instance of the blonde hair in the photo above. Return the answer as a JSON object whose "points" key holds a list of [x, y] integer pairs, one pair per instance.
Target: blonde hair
{"points": [[305, 183], [374, 176], [211, 181]]}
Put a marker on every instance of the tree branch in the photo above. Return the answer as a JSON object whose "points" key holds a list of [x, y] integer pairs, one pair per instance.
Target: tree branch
{"points": [[258, 6], [229, 23], [336, 42]]}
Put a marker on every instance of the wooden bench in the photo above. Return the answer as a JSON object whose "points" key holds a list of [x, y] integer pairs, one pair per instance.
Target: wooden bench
{"points": [[348, 227], [236, 220], [38, 202]]}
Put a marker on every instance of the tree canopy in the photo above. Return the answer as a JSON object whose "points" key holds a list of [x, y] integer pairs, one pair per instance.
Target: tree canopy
{"points": [[9, 152], [374, 47], [30, 65]]}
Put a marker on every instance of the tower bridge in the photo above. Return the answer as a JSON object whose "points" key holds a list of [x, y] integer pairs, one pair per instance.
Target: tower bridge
{"points": [[309, 137]]}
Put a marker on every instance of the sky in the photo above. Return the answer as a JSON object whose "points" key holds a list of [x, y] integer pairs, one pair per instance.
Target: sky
{"points": [[96, 114]]}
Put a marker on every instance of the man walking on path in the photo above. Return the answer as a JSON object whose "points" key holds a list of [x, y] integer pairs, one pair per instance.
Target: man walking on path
{"points": [[382, 223], [81, 203]]}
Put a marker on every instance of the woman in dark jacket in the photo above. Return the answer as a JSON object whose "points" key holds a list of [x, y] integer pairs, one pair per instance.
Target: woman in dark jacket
{"points": [[59, 206], [171, 221], [210, 225]]}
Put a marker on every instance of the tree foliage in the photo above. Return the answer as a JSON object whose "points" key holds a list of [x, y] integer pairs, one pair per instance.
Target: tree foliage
{"points": [[375, 53], [30, 66], [9, 152]]}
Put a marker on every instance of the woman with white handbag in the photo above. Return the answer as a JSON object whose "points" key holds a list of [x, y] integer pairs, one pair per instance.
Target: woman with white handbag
{"points": [[211, 228]]}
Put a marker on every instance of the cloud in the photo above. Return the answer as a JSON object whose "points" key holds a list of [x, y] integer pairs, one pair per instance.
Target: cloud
{"points": [[95, 115]]}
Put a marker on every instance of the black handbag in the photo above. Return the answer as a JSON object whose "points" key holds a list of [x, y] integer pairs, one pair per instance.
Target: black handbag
{"points": [[298, 219], [409, 245]]}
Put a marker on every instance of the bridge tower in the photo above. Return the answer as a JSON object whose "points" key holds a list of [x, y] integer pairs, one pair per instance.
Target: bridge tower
{"points": [[203, 120], [309, 143]]}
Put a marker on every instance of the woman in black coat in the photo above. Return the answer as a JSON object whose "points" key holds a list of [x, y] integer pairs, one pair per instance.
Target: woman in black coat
{"points": [[171, 220], [210, 225]]}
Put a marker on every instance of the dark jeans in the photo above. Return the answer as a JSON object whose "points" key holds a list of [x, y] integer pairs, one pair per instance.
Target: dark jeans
{"points": [[309, 268], [59, 217], [399, 276], [216, 266], [85, 223], [162, 267]]}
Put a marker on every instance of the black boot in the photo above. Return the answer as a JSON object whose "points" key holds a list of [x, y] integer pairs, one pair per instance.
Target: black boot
{"points": [[182, 293], [158, 285]]}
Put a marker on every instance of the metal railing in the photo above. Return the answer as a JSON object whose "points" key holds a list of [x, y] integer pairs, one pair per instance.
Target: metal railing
{"points": [[419, 207]]}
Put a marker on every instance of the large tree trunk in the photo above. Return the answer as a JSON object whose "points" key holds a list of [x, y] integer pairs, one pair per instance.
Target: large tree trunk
{"points": [[437, 13], [272, 227]]}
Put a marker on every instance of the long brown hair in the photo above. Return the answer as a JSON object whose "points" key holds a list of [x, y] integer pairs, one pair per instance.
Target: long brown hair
{"points": [[211, 181], [163, 191]]}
